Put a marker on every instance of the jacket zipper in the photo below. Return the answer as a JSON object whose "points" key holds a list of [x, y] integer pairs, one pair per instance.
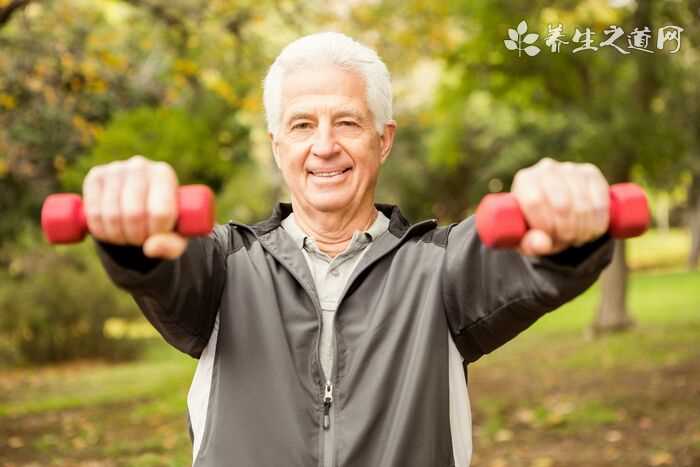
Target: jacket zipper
{"points": [[328, 418], [327, 402], [328, 433]]}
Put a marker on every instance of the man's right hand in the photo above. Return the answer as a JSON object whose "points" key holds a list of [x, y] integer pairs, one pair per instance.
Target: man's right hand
{"points": [[134, 202]]}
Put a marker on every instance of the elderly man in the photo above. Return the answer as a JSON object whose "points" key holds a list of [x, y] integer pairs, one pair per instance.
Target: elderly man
{"points": [[334, 332]]}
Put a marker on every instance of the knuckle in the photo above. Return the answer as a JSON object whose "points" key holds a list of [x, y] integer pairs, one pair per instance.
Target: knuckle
{"points": [[115, 166], [137, 164], [530, 200], [590, 168], [113, 171], [522, 181], [163, 169], [137, 159], [93, 175], [546, 166], [518, 180]]}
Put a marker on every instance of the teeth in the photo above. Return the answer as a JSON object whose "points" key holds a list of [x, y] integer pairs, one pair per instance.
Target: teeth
{"points": [[328, 174]]}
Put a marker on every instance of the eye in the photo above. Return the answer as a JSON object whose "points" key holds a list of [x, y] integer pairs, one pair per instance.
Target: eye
{"points": [[347, 123], [301, 126]]}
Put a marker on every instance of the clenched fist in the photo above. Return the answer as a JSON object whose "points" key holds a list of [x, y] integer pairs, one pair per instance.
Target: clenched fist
{"points": [[565, 204], [134, 202]]}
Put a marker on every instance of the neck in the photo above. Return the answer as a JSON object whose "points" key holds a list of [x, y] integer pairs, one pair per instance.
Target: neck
{"points": [[332, 230]]}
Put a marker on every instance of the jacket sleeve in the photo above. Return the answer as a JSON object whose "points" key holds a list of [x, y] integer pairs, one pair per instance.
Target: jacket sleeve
{"points": [[180, 297], [492, 295]]}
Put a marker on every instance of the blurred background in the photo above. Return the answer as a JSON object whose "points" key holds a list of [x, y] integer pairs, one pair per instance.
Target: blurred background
{"points": [[611, 379]]}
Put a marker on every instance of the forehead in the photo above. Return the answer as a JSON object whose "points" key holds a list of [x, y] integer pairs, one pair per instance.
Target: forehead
{"points": [[326, 89]]}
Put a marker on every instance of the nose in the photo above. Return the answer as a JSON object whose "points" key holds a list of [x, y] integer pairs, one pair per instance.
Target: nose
{"points": [[324, 143]]}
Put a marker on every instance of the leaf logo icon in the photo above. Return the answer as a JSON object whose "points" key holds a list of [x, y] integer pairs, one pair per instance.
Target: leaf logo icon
{"points": [[520, 40]]}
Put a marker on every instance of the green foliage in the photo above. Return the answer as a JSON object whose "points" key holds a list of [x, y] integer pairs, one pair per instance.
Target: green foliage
{"points": [[54, 303], [249, 194], [172, 135], [498, 111]]}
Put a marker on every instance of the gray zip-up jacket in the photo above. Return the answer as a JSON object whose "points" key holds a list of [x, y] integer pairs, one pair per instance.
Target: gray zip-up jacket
{"points": [[244, 298]]}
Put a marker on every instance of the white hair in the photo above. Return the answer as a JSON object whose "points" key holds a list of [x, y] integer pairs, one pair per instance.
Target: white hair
{"points": [[329, 48]]}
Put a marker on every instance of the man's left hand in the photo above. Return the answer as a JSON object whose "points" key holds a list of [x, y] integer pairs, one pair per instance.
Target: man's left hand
{"points": [[564, 203]]}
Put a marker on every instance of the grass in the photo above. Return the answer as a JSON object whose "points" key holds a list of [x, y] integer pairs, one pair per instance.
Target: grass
{"points": [[132, 414], [98, 385], [659, 249], [555, 379], [670, 298]]}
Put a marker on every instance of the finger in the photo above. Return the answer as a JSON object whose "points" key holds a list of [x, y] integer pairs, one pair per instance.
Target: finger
{"points": [[533, 202], [560, 201], [558, 247], [92, 202], [133, 202], [581, 208], [165, 245], [535, 243], [599, 194], [162, 199], [111, 204]]}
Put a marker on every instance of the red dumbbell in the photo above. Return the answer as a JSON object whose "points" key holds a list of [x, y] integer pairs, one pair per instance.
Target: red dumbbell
{"points": [[63, 219], [501, 224]]}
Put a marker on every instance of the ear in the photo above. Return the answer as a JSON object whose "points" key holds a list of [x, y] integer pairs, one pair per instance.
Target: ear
{"points": [[387, 139], [275, 149]]}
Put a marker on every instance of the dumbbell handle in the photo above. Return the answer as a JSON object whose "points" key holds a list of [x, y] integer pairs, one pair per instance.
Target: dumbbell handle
{"points": [[63, 217], [501, 224]]}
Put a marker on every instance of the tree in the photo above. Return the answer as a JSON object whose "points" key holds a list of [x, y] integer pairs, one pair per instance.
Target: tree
{"points": [[498, 111]]}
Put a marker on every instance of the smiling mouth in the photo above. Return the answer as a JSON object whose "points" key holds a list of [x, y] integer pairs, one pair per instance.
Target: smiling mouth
{"points": [[329, 173]]}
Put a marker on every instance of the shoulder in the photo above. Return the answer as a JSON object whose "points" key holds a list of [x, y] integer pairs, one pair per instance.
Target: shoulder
{"points": [[228, 238], [437, 235]]}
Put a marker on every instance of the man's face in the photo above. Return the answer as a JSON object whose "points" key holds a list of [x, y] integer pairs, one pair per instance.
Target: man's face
{"points": [[327, 147]]}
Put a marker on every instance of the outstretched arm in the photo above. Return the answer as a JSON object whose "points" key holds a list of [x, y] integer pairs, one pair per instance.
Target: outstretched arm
{"points": [[493, 295], [131, 211]]}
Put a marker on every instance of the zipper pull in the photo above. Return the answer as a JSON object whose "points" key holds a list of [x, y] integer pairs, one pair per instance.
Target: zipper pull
{"points": [[327, 401]]}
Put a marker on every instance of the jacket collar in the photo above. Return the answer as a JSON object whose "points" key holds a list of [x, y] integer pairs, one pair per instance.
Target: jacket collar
{"points": [[397, 223], [300, 237], [281, 246]]}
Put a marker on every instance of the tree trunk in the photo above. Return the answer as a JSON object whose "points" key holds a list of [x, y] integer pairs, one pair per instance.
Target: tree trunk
{"points": [[694, 222], [694, 256], [613, 315], [662, 212]]}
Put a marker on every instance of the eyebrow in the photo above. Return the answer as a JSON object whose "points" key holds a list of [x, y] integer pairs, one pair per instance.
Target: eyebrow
{"points": [[305, 115], [300, 116]]}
